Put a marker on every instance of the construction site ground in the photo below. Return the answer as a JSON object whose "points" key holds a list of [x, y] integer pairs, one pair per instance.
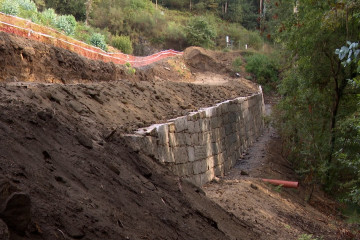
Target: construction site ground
{"points": [[62, 118]]}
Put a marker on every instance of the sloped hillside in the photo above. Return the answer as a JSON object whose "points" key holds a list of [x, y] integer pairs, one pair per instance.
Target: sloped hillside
{"points": [[61, 147]]}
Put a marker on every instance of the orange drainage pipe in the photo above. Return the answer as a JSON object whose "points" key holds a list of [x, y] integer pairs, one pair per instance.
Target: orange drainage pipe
{"points": [[286, 184]]}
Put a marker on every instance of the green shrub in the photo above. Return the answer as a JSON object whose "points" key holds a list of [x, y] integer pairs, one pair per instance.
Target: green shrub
{"points": [[200, 32], [175, 32], [263, 68], [10, 7], [83, 32], [27, 5], [66, 23], [123, 43], [237, 64], [49, 17], [307, 237], [129, 69], [98, 40], [255, 41], [35, 18]]}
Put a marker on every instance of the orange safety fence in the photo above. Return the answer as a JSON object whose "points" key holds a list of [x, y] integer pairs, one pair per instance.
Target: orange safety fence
{"points": [[26, 28]]}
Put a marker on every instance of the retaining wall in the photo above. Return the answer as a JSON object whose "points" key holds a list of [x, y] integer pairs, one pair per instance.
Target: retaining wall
{"points": [[206, 143]]}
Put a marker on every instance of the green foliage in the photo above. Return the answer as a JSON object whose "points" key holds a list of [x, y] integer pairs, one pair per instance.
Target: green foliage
{"points": [[240, 36], [319, 111], [98, 40], [278, 188], [40, 4], [264, 69], [122, 43], [69, 7], [307, 237], [10, 7], [27, 5], [237, 64], [352, 212], [175, 34], [66, 23], [129, 69], [255, 41], [49, 17], [200, 32]]}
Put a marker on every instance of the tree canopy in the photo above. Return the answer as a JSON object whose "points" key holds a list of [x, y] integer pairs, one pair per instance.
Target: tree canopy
{"points": [[318, 114]]}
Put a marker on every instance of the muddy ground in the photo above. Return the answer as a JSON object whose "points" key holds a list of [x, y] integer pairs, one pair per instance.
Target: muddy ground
{"points": [[62, 118]]}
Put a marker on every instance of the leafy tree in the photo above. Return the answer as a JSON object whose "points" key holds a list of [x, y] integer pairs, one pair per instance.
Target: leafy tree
{"points": [[77, 8], [40, 4], [317, 94], [348, 142]]}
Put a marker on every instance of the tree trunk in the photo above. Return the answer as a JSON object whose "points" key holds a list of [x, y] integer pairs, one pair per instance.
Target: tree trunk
{"points": [[261, 7], [338, 90], [226, 7], [190, 5], [88, 6]]}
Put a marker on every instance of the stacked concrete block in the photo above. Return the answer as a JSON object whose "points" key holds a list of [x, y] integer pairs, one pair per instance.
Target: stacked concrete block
{"points": [[206, 143]]}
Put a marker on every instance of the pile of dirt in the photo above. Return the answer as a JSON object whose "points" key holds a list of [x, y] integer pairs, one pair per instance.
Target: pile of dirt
{"points": [[82, 190], [202, 60], [61, 147]]}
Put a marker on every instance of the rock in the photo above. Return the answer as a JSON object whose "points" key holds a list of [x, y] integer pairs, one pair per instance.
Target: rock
{"points": [[112, 167], [16, 212], [253, 186], [244, 173], [6, 189], [60, 179], [45, 115], [74, 231], [76, 106], [85, 141], [4, 231], [215, 180]]}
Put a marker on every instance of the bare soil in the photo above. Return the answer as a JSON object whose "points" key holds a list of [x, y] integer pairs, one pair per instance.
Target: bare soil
{"points": [[61, 125], [62, 118]]}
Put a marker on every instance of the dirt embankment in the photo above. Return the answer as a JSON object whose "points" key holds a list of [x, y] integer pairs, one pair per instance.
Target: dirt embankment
{"points": [[61, 145], [66, 173]]}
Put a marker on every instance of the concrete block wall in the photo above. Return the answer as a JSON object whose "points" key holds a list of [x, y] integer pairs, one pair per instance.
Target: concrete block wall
{"points": [[206, 143]]}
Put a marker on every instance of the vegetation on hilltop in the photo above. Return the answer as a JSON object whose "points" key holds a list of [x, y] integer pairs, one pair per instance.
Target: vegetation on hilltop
{"points": [[145, 24]]}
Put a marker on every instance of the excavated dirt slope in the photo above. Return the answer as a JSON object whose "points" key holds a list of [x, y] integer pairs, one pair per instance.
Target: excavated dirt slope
{"points": [[66, 173], [61, 146]]}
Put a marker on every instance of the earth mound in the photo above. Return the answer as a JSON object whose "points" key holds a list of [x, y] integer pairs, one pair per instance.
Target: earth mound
{"points": [[61, 147]]}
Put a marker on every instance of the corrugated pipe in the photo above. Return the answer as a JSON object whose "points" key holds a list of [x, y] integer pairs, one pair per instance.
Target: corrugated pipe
{"points": [[286, 184]]}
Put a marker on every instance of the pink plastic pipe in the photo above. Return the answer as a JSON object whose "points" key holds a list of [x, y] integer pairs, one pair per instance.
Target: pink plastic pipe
{"points": [[286, 184]]}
